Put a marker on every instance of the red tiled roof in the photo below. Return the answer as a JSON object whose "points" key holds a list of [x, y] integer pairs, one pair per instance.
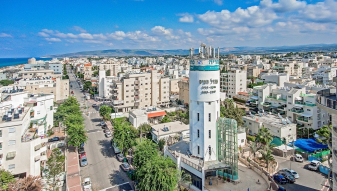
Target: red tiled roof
{"points": [[243, 93], [156, 114], [89, 64]]}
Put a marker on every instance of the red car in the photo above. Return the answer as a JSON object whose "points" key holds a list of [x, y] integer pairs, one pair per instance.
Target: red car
{"points": [[84, 154]]}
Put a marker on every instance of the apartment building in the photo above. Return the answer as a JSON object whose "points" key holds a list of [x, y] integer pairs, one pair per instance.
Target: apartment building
{"points": [[37, 74], [26, 118], [278, 127], [232, 82], [295, 104], [87, 71], [47, 85], [277, 78], [113, 66], [56, 66], [184, 91], [174, 87], [253, 71], [324, 75], [134, 91]]}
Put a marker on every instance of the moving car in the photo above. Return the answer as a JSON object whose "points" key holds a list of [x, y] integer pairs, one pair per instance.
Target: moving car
{"points": [[116, 149], [80, 150], [125, 166], [292, 172], [298, 158], [54, 139], [280, 179], [120, 157], [87, 184], [314, 165], [83, 161], [290, 178]]}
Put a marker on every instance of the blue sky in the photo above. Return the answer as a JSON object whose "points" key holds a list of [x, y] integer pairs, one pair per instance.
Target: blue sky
{"points": [[38, 28]]}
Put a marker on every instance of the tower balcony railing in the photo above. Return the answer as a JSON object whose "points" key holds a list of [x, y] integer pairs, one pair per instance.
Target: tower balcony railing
{"points": [[297, 111]]}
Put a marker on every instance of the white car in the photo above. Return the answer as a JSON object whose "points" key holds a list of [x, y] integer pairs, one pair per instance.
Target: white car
{"points": [[298, 158], [87, 184], [292, 172], [314, 165]]}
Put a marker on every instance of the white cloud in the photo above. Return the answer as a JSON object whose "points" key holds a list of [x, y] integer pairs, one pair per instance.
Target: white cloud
{"points": [[53, 39], [186, 18], [92, 41], [48, 31], [162, 31], [284, 5], [218, 2], [85, 36], [5, 35], [43, 34], [77, 28], [321, 12], [117, 35]]}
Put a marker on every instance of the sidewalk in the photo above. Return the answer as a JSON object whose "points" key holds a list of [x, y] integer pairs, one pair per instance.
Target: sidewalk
{"points": [[73, 170]]}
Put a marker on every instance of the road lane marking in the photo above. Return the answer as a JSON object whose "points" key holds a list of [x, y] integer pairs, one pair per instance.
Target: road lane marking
{"points": [[115, 186]]}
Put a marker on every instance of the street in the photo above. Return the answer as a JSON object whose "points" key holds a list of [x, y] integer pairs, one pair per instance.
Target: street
{"points": [[103, 167], [308, 181]]}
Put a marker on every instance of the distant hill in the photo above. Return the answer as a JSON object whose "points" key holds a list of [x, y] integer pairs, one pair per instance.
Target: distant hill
{"points": [[224, 50]]}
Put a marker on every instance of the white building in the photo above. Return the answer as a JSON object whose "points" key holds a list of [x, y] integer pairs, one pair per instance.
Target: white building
{"points": [[276, 78], [169, 130], [25, 121], [233, 82]]}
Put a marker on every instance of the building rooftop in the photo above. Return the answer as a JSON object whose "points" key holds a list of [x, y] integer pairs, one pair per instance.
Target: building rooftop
{"points": [[172, 127], [268, 119]]}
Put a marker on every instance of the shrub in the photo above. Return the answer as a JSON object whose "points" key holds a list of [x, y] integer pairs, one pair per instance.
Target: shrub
{"points": [[251, 138]]}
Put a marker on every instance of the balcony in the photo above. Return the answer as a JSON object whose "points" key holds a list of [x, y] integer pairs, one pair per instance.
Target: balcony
{"points": [[326, 99], [297, 110], [137, 87], [136, 98], [305, 103], [136, 81], [118, 102], [136, 103], [275, 98], [304, 119]]}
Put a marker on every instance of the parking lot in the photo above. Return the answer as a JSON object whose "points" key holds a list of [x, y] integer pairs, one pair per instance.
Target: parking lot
{"points": [[308, 181]]}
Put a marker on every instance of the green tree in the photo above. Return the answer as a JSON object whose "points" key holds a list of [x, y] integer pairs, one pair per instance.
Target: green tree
{"points": [[108, 73], [183, 178], [263, 136], [6, 82], [95, 74], [161, 144], [76, 135], [144, 152], [254, 148], [232, 112], [267, 156], [6, 178], [87, 85], [165, 120], [55, 166], [159, 173], [144, 128], [105, 111], [324, 134], [124, 135]]}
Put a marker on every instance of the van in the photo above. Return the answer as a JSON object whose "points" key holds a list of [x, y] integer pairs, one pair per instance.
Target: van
{"points": [[298, 158]]}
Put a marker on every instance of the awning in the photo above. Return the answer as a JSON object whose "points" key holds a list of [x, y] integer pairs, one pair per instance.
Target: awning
{"points": [[156, 114], [31, 101], [37, 158], [298, 98], [37, 147], [11, 155], [298, 106], [306, 114], [254, 97]]}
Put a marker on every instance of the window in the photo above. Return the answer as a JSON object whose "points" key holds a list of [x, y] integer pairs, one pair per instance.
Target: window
{"points": [[209, 150], [38, 112], [0, 133], [11, 142], [242, 140], [250, 123], [51, 107], [11, 130], [209, 134], [308, 110], [0, 146], [198, 116], [198, 132], [198, 150], [209, 103], [11, 166], [209, 117]]}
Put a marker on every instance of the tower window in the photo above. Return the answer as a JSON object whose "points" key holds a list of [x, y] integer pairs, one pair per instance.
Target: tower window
{"points": [[198, 150], [198, 116], [209, 133], [209, 103], [209, 117], [209, 150], [198, 132]]}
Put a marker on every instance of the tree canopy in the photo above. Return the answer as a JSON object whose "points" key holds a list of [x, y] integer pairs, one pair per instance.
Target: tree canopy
{"points": [[6, 177], [55, 166], [105, 111], [124, 134], [232, 112], [324, 134], [6, 82], [264, 136]]}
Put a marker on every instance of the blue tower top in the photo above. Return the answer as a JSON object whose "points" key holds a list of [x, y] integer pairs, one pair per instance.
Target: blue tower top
{"points": [[206, 60]]}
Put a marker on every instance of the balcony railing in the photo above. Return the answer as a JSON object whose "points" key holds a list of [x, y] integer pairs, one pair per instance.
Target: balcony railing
{"points": [[303, 119], [304, 103], [327, 98], [275, 98], [297, 111], [136, 81]]}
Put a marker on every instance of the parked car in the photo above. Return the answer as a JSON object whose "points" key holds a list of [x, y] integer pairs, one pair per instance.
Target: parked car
{"points": [[292, 172], [102, 123], [280, 188], [108, 134], [82, 145], [120, 157], [83, 161], [314, 165], [80, 150], [106, 130], [94, 105], [87, 184], [54, 139], [298, 158], [280, 179], [116, 149], [125, 166], [84, 154], [104, 126], [290, 178]]}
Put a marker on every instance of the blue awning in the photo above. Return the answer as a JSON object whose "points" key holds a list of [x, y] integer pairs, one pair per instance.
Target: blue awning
{"points": [[254, 97], [309, 145]]}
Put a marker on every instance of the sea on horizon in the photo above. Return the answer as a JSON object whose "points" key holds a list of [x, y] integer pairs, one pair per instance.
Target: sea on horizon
{"points": [[4, 62]]}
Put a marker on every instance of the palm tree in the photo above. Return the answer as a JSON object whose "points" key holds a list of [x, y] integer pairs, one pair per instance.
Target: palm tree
{"points": [[264, 136], [254, 148], [183, 178], [267, 156]]}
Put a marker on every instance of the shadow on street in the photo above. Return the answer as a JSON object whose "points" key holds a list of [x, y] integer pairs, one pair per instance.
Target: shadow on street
{"points": [[116, 179], [106, 148]]}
